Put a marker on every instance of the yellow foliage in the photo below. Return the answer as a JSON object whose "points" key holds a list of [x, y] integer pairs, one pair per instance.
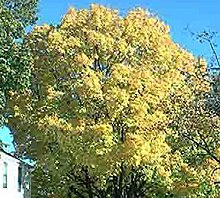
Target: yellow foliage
{"points": [[102, 83]]}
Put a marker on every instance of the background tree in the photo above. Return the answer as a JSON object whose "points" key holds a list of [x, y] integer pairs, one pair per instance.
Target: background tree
{"points": [[105, 95], [15, 57], [197, 123]]}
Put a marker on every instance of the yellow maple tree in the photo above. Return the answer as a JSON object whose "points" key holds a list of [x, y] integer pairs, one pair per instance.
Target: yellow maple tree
{"points": [[101, 87]]}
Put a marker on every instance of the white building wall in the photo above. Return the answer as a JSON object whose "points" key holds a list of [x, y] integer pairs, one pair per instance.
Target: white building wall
{"points": [[12, 177]]}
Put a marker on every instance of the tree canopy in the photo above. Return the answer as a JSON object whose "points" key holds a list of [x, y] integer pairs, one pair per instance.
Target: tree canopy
{"points": [[108, 91], [15, 58]]}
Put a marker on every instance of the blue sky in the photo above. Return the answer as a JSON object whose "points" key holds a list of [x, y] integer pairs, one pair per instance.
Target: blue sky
{"points": [[197, 15], [7, 138]]}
